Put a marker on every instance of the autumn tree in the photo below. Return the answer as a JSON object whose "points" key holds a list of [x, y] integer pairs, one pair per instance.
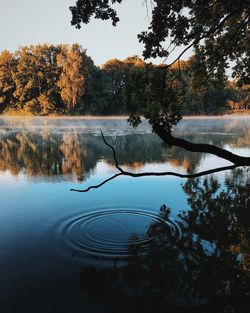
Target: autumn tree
{"points": [[48, 76], [44, 78], [7, 85], [35, 79], [244, 93], [26, 80], [71, 80]]}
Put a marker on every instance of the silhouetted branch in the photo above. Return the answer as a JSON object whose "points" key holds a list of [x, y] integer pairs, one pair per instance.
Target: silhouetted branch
{"points": [[207, 34], [200, 147], [99, 185], [130, 174], [114, 152]]}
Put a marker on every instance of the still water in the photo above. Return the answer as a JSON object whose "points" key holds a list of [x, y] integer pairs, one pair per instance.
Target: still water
{"points": [[152, 244]]}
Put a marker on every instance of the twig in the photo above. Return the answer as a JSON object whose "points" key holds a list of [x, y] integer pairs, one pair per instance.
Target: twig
{"points": [[114, 152], [97, 186]]}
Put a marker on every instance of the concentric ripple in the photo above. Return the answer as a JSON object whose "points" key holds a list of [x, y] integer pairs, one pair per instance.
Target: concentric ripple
{"points": [[118, 233]]}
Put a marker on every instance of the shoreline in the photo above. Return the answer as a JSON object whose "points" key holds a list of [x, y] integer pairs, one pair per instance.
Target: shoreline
{"points": [[122, 117]]}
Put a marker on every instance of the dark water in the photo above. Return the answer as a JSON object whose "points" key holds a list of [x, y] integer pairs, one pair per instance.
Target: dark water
{"points": [[152, 244]]}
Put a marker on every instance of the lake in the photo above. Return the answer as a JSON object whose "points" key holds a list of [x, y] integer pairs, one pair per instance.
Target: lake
{"points": [[149, 244]]}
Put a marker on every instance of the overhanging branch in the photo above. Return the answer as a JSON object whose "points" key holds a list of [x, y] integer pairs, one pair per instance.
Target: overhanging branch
{"points": [[200, 147], [130, 174]]}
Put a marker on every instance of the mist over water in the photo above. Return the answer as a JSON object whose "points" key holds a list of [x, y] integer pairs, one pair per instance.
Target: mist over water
{"points": [[154, 242]]}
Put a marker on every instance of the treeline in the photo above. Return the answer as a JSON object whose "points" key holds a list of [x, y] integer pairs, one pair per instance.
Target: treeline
{"points": [[62, 79]]}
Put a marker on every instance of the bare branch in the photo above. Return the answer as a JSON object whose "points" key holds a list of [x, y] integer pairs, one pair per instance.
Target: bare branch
{"points": [[145, 2], [130, 174], [114, 153], [211, 171], [99, 185]]}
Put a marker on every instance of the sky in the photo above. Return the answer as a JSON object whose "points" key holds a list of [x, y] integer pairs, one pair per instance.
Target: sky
{"points": [[29, 22], [26, 22]]}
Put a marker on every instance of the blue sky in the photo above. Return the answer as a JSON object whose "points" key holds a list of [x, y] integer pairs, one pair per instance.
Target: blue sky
{"points": [[26, 22]]}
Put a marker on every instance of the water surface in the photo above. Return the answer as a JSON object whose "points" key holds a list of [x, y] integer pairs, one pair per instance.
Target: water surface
{"points": [[133, 245]]}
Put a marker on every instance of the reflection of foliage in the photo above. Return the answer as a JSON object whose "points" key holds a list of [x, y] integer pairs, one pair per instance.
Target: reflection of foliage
{"points": [[221, 217], [37, 155], [206, 270], [242, 141], [74, 155], [219, 221]]}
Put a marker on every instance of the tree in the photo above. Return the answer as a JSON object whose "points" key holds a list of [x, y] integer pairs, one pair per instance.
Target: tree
{"points": [[115, 71], [119, 72], [96, 94], [97, 97], [7, 85], [35, 79], [157, 95], [71, 81], [244, 95], [218, 30], [48, 76], [23, 77], [45, 78]]}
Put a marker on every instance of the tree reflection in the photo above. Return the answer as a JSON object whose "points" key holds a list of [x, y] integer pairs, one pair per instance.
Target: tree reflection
{"points": [[66, 154], [71, 155], [207, 270]]}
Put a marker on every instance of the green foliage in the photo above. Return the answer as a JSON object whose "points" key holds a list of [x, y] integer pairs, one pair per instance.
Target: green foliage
{"points": [[97, 98], [84, 10], [115, 72], [156, 96], [46, 79], [218, 31], [218, 28]]}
